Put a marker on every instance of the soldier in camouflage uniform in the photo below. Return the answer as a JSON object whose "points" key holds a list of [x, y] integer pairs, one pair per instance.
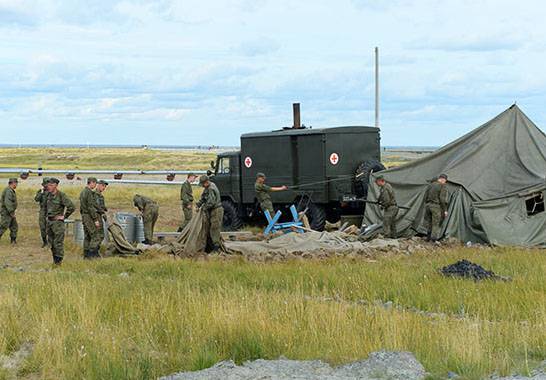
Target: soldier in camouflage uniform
{"points": [[101, 207], [436, 198], [90, 220], [387, 201], [59, 207], [186, 197], [211, 204], [150, 213], [41, 199], [263, 193], [8, 205]]}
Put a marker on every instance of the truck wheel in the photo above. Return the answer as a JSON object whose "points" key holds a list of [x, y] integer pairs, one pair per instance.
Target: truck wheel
{"points": [[232, 221], [316, 215], [363, 172]]}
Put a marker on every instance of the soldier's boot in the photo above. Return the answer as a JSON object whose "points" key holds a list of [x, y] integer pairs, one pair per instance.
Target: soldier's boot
{"points": [[216, 248], [95, 253], [87, 254], [57, 260], [179, 229], [147, 242], [13, 241]]}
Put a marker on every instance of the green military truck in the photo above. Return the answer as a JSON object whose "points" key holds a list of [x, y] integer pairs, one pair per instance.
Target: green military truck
{"points": [[327, 171]]}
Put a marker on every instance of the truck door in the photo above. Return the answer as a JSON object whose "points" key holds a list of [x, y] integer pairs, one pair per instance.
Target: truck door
{"points": [[227, 177]]}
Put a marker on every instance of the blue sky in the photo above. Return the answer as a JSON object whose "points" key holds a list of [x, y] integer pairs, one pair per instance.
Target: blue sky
{"points": [[203, 72]]}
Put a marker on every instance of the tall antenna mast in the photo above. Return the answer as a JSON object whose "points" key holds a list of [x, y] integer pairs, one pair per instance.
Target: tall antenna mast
{"points": [[376, 87]]}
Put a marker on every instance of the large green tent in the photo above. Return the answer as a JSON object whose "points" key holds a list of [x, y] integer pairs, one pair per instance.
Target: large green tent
{"points": [[497, 180]]}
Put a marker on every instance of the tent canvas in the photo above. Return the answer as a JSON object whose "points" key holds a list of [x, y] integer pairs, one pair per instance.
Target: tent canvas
{"points": [[496, 174]]}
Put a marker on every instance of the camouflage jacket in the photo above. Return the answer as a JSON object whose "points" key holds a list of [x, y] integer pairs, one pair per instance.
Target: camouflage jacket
{"points": [[8, 200], [186, 193], [101, 204], [141, 202], [262, 192], [210, 199], [59, 204], [386, 196], [437, 194], [41, 198], [88, 203]]}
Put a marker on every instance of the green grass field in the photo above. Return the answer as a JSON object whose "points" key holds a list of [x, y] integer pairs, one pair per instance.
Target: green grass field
{"points": [[148, 316]]}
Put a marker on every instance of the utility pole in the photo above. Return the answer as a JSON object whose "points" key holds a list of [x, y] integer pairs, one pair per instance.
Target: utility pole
{"points": [[376, 87]]}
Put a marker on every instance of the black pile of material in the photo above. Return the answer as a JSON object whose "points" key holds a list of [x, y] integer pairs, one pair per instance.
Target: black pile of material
{"points": [[467, 269]]}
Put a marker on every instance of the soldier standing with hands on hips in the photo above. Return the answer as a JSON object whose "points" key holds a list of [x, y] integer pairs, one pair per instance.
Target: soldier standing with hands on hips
{"points": [[59, 207]]}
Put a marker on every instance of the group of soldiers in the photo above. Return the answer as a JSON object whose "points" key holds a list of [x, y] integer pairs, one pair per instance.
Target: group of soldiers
{"points": [[56, 207], [436, 202]]}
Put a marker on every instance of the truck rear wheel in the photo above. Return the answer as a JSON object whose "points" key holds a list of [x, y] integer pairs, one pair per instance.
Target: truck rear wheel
{"points": [[232, 220], [363, 173], [316, 215]]}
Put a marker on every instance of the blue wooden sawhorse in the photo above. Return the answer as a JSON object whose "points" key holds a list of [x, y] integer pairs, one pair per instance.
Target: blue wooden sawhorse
{"points": [[273, 226]]}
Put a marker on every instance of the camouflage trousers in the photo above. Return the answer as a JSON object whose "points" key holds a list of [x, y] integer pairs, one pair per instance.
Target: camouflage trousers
{"points": [[216, 218], [42, 222], [101, 229], [149, 218], [267, 205], [8, 222], [433, 220], [389, 221], [187, 212], [91, 233], [55, 234]]}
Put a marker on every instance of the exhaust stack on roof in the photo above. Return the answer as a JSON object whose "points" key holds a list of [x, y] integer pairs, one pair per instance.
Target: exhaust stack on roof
{"points": [[297, 116]]}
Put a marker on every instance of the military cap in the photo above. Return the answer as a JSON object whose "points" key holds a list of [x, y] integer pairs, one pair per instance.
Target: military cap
{"points": [[203, 179], [444, 176], [260, 175], [91, 179], [191, 174], [379, 178], [53, 180], [13, 180], [45, 180], [103, 182]]}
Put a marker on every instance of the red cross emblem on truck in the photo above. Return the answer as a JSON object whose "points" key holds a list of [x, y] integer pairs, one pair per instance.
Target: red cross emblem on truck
{"points": [[334, 158], [248, 162]]}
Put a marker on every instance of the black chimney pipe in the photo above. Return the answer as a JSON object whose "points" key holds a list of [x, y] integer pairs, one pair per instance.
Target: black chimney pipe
{"points": [[297, 116]]}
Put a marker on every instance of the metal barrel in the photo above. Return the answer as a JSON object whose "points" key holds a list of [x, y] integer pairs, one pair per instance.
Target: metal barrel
{"points": [[139, 229], [78, 232], [127, 222]]}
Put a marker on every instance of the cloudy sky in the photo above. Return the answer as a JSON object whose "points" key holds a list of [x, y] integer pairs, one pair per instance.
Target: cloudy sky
{"points": [[203, 72]]}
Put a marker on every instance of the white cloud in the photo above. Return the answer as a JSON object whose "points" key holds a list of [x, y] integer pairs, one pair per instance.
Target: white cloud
{"points": [[230, 66]]}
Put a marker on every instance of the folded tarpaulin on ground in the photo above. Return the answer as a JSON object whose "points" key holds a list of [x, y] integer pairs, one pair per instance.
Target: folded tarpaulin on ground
{"points": [[331, 242], [119, 244]]}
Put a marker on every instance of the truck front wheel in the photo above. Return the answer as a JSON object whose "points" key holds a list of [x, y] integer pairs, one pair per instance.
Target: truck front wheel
{"points": [[232, 220]]}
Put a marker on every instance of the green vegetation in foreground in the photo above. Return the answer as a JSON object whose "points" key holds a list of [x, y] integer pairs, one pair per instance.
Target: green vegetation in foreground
{"points": [[142, 318], [104, 158]]}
